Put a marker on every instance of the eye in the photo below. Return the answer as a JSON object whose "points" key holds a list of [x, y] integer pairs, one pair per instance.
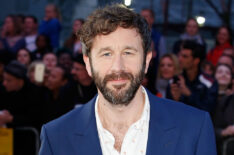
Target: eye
{"points": [[107, 54], [128, 53]]}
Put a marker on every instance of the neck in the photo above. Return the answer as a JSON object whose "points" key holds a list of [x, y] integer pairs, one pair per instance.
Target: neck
{"points": [[192, 73], [114, 116]]}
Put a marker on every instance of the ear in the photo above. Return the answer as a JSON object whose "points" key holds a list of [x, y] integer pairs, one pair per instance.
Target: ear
{"points": [[87, 64], [147, 62], [197, 61]]}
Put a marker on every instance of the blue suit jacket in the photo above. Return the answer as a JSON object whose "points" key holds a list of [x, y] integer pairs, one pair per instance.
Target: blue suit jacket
{"points": [[174, 129]]}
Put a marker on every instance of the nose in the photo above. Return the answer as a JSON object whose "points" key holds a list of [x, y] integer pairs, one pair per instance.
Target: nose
{"points": [[118, 63]]}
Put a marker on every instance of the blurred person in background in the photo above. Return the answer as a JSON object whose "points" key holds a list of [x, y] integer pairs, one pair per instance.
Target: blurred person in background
{"points": [[223, 117], [158, 46], [58, 99], [50, 60], [207, 68], [191, 33], [168, 68], [30, 32], [73, 42], [157, 37], [50, 26], [20, 103], [11, 36], [223, 75], [65, 59], [229, 51], [20, 21], [24, 57], [84, 88], [4, 60], [193, 87], [228, 60], [42, 46], [223, 41]]}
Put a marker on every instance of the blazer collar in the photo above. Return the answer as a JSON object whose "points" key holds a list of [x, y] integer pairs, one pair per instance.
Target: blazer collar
{"points": [[163, 134]]}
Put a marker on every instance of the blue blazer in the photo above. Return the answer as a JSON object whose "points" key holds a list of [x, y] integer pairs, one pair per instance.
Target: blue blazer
{"points": [[174, 129]]}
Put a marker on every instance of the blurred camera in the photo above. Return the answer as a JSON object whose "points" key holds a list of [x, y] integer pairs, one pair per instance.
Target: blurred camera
{"points": [[175, 79]]}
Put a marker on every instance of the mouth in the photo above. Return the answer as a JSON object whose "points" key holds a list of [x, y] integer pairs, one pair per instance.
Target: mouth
{"points": [[118, 81]]}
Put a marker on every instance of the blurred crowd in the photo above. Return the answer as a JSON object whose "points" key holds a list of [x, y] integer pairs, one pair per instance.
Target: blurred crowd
{"points": [[41, 80]]}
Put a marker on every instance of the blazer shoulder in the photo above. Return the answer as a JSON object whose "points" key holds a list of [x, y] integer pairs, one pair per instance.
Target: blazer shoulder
{"points": [[75, 119], [178, 111]]}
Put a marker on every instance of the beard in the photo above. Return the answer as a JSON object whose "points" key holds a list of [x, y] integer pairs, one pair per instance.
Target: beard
{"points": [[121, 94]]}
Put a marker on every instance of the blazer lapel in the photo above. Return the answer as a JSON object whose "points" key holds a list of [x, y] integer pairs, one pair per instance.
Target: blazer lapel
{"points": [[85, 139], [163, 134]]}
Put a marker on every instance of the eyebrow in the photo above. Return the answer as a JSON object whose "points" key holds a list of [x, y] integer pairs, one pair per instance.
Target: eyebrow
{"points": [[130, 48], [105, 49], [108, 48]]}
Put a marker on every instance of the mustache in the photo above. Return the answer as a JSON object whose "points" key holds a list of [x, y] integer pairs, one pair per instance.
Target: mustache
{"points": [[118, 75]]}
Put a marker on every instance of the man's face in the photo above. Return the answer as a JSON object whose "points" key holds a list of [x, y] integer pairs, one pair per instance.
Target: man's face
{"points": [[12, 83], [79, 72], [225, 60], [65, 60], [186, 59], [148, 17], [55, 79], [192, 27], [29, 25], [116, 64]]}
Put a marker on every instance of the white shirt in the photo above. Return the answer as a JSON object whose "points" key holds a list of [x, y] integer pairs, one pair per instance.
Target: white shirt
{"points": [[135, 140], [31, 42]]}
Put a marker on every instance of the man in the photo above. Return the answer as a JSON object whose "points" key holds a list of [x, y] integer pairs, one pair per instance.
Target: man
{"points": [[84, 88], [158, 46], [124, 118], [157, 38], [193, 88], [58, 98], [20, 103], [30, 30]]}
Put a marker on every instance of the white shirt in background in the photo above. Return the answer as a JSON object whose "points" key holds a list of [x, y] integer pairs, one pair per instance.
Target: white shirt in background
{"points": [[31, 42]]}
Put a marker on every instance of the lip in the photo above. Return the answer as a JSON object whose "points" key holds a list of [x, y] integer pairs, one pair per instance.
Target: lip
{"points": [[118, 81]]}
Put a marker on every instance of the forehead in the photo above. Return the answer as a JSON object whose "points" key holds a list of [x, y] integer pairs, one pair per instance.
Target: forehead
{"points": [[57, 71], [223, 30], [49, 56], [120, 38], [192, 22], [166, 59], [29, 19], [186, 52], [23, 51], [223, 68]]}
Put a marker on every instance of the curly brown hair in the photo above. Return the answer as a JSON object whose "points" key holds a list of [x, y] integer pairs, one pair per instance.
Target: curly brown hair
{"points": [[106, 20]]}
